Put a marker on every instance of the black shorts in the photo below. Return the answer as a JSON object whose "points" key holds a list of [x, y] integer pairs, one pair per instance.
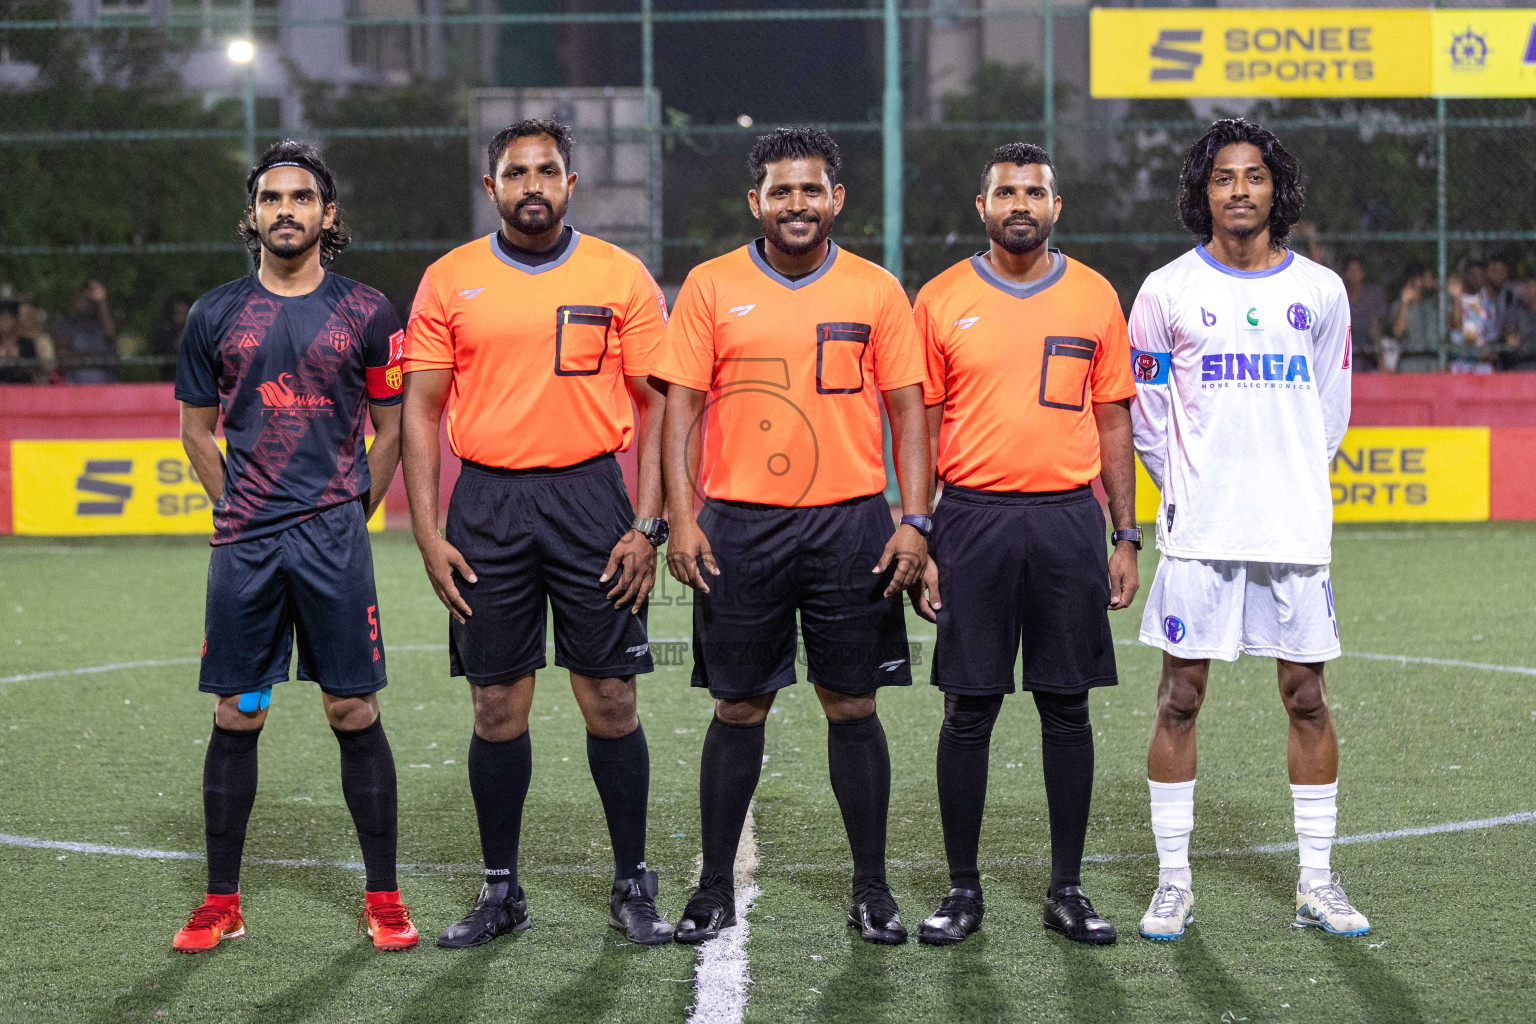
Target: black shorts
{"points": [[1021, 569], [314, 578], [817, 560], [530, 534]]}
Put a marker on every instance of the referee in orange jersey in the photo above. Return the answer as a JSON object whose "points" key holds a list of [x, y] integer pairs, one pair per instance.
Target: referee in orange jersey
{"points": [[1028, 389], [535, 338]]}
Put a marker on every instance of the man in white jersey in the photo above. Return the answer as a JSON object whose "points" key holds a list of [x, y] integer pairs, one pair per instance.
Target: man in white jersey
{"points": [[1241, 358]]}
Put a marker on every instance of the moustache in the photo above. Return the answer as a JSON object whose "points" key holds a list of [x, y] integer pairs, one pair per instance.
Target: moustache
{"points": [[1021, 219], [525, 203], [799, 218]]}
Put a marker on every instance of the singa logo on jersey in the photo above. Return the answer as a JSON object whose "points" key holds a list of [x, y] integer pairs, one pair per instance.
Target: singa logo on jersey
{"points": [[1255, 366]]}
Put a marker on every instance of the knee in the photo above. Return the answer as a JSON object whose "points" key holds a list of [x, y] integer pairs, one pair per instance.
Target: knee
{"points": [[742, 712], [351, 713], [1064, 719], [496, 714], [840, 707], [227, 715], [1178, 702], [968, 720], [1304, 696], [610, 710]]}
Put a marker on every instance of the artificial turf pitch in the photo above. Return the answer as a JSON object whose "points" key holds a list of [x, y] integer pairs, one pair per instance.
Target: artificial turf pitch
{"points": [[115, 758]]}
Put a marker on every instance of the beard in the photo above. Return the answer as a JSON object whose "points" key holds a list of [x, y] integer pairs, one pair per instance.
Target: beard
{"points": [[775, 235], [294, 246], [1017, 234], [533, 216]]}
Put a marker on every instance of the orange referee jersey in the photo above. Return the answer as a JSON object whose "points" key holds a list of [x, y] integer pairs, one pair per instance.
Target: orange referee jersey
{"points": [[539, 353], [792, 369], [1018, 369]]}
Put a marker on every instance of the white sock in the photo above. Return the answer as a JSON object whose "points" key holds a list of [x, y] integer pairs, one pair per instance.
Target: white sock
{"points": [[1317, 814], [1173, 819]]}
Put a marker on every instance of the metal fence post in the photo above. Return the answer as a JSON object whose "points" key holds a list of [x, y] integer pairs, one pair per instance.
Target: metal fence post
{"points": [[248, 85], [653, 130], [891, 132], [1050, 80], [1440, 217]]}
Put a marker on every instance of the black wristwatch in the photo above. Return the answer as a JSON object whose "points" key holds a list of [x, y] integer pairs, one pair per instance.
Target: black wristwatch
{"points": [[1133, 535], [922, 524], [654, 530]]}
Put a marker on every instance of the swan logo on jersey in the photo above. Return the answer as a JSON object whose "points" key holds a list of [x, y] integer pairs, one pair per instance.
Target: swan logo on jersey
{"points": [[1300, 316], [1207, 317], [1255, 366], [1173, 628], [1149, 367]]}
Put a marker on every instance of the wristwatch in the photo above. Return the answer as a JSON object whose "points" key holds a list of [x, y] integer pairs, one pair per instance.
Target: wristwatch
{"points": [[922, 524], [654, 530], [1133, 535]]}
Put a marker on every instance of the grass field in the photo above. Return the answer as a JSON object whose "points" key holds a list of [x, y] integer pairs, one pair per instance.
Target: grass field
{"points": [[115, 758]]}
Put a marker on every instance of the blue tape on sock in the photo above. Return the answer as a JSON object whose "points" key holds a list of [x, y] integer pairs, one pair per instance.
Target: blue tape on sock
{"points": [[256, 700]]}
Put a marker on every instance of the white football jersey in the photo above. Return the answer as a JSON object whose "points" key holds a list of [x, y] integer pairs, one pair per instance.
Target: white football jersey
{"points": [[1242, 398]]}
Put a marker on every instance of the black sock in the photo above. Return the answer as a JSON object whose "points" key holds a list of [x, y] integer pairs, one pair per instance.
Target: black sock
{"points": [[965, 743], [498, 780], [1066, 749], [728, 774], [229, 790], [859, 762], [368, 783], [621, 768]]}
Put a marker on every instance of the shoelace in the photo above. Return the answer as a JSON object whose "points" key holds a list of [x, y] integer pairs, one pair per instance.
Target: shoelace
{"points": [[641, 906], [1165, 902], [387, 915], [954, 906], [206, 916], [1332, 897], [877, 896]]}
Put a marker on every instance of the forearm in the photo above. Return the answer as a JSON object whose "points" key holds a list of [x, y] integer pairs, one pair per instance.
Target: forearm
{"points": [[914, 456], [207, 460], [383, 458], [935, 419], [426, 394], [1117, 462], [680, 452], [651, 404]]}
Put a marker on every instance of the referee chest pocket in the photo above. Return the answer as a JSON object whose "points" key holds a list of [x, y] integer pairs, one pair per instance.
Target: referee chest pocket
{"points": [[840, 358], [1064, 372], [581, 339]]}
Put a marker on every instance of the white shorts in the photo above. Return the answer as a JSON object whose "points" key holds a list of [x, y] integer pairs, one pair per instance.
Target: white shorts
{"points": [[1198, 609]]}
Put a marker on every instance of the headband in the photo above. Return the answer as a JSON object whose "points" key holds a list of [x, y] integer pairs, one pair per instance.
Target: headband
{"points": [[264, 168]]}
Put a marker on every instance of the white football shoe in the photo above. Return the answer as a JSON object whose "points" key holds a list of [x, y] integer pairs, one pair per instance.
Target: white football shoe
{"points": [[1172, 910], [1325, 906]]}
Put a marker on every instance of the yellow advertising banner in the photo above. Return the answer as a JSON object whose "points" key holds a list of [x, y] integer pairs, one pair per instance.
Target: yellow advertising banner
{"points": [[61, 488], [1393, 475], [1484, 52], [1179, 52]]}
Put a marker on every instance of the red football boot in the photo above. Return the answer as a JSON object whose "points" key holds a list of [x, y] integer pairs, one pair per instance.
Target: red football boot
{"points": [[389, 921], [217, 919]]}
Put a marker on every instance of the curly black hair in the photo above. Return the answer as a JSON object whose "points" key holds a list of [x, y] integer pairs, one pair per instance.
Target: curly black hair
{"points": [[332, 239], [793, 144], [1290, 193], [530, 128]]}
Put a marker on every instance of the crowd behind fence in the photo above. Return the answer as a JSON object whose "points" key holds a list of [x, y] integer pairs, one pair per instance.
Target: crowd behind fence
{"points": [[123, 143]]}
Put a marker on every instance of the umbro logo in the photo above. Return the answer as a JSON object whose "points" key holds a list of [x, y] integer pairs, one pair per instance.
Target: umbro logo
{"points": [[966, 321], [469, 293], [742, 310]]}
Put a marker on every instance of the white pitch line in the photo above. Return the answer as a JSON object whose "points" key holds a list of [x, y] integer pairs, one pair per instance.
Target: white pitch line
{"points": [[1451, 663], [721, 977], [93, 669]]}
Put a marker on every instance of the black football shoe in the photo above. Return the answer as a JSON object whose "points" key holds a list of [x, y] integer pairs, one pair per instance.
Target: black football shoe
{"points": [[497, 910], [1070, 913], [712, 909], [632, 907], [959, 915], [875, 915]]}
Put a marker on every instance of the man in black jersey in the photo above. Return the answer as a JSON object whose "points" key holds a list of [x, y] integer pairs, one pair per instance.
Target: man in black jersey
{"points": [[293, 358]]}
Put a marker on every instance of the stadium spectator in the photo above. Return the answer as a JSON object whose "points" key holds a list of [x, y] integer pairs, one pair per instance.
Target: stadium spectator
{"points": [[1520, 330], [1412, 343], [165, 339], [1367, 314], [18, 353], [86, 338], [34, 325], [1505, 293], [1473, 319]]}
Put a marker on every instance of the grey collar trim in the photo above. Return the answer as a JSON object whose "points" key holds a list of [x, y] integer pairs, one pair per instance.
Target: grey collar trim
{"points": [[811, 278], [1020, 291], [570, 247]]}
